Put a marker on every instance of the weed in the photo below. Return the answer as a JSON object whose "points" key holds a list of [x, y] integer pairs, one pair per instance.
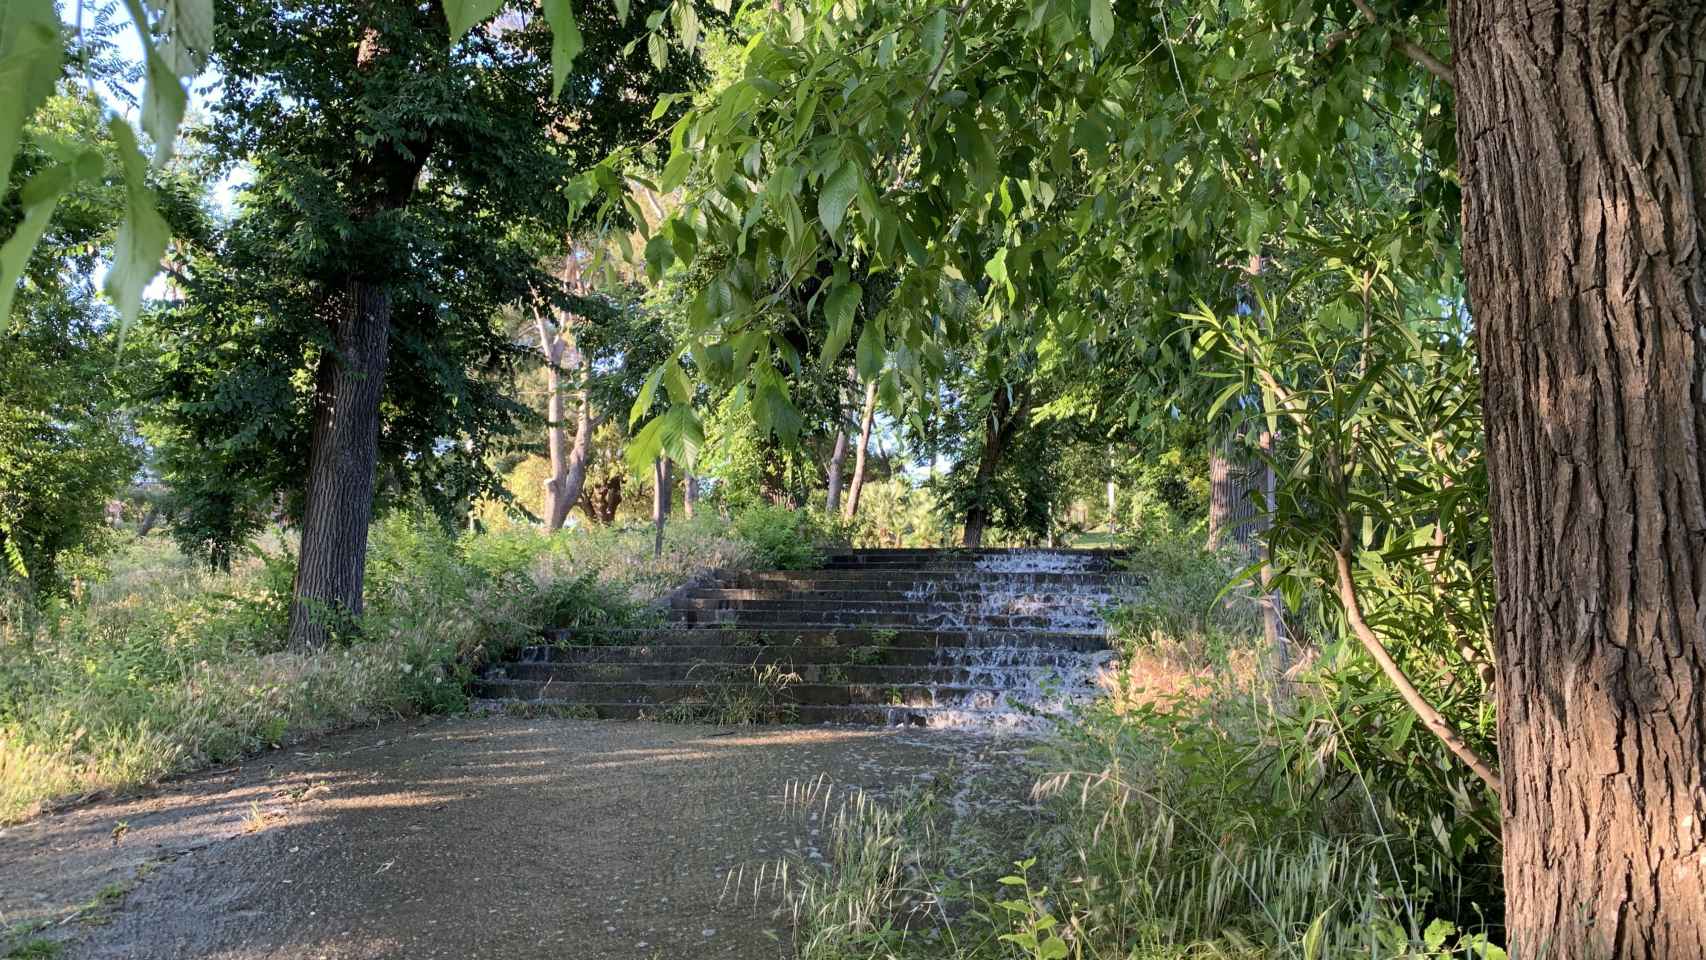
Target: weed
{"points": [[34, 949]]}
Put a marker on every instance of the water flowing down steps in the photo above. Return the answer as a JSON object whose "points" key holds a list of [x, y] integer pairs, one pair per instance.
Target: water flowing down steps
{"points": [[959, 638]]}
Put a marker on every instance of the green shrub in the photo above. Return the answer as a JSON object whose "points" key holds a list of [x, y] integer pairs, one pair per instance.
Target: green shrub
{"points": [[783, 538]]}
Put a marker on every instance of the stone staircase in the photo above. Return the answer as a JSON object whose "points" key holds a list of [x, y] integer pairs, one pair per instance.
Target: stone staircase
{"points": [[926, 637]]}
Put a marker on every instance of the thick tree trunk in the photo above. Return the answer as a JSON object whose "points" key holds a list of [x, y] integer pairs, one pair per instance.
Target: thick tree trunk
{"points": [[1231, 511], [858, 485], [602, 500], [343, 450], [1582, 132]]}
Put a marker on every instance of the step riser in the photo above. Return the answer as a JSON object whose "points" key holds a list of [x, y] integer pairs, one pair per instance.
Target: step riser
{"points": [[902, 636], [871, 715], [664, 694], [1007, 678], [819, 636], [907, 602], [1010, 658], [782, 619]]}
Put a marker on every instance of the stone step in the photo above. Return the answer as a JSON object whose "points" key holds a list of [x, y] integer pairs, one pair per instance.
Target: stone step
{"points": [[986, 606], [861, 715], [819, 636], [696, 598], [824, 694], [706, 671], [785, 620], [802, 654]]}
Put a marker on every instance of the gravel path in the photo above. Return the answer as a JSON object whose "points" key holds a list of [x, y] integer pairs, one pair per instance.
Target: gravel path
{"points": [[487, 837]]}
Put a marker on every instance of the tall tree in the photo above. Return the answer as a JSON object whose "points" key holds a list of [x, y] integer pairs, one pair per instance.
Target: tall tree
{"points": [[412, 186], [1582, 131]]}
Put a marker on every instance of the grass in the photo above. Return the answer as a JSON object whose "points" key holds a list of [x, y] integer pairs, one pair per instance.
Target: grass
{"points": [[1178, 819], [160, 667]]}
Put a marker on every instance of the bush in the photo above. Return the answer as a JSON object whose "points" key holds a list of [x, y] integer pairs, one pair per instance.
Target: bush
{"points": [[786, 539]]}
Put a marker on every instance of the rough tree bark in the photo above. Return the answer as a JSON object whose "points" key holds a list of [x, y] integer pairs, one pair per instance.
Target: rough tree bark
{"points": [[1231, 511], [869, 418], [1582, 133], [342, 452], [343, 446]]}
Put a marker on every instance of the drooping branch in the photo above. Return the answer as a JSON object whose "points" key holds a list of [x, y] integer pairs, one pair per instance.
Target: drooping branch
{"points": [[1429, 714], [1415, 51]]}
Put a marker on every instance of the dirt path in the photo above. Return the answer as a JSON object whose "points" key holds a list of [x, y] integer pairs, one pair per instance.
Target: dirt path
{"points": [[464, 838]]}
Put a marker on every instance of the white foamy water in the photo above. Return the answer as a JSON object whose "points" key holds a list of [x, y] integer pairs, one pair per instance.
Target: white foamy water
{"points": [[1016, 684]]}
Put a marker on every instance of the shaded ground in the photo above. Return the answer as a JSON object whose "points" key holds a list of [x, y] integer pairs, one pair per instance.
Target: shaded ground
{"points": [[462, 838]]}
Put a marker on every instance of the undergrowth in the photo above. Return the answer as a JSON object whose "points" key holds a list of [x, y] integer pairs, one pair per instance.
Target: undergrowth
{"points": [[1212, 819], [160, 666]]}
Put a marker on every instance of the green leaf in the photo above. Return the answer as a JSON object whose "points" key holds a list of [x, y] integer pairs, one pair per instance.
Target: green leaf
{"points": [[1101, 22], [464, 15], [643, 402], [622, 10], [39, 197], [676, 382], [566, 41], [675, 171], [837, 193], [30, 53], [142, 239], [870, 351], [838, 308], [1052, 948]]}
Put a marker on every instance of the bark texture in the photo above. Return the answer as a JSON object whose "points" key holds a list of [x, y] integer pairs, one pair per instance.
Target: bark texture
{"points": [[343, 450], [858, 484], [1232, 479], [1580, 129]]}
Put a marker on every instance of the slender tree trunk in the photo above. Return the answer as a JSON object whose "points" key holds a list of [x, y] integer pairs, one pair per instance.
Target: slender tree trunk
{"points": [[836, 458], [689, 494], [996, 431], [1273, 604], [869, 417], [342, 455], [660, 500], [1582, 131]]}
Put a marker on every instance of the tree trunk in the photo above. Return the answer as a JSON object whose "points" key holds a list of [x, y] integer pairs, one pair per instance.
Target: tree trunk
{"points": [[1582, 130], [1231, 511], [689, 494], [342, 453], [869, 418], [995, 435], [660, 501], [602, 500], [1273, 604], [836, 458]]}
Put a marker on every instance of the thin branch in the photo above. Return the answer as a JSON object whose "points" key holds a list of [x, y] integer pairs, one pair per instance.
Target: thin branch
{"points": [[1430, 716], [1415, 51]]}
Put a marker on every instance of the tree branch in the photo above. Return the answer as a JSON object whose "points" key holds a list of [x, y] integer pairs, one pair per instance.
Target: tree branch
{"points": [[1430, 716], [1415, 51]]}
